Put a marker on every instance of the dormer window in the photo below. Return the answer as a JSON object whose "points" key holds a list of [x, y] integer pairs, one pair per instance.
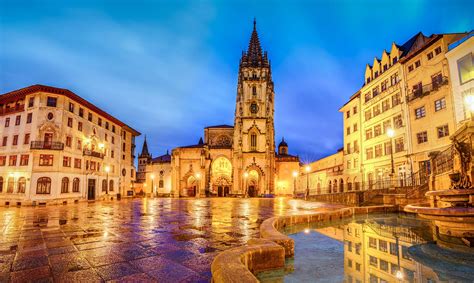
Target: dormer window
{"points": [[394, 61], [376, 74], [385, 67]]}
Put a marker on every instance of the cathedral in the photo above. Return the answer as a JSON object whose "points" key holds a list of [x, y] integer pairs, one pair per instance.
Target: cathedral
{"points": [[231, 160]]}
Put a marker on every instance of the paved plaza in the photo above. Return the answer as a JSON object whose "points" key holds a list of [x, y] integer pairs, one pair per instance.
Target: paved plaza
{"points": [[165, 240]]}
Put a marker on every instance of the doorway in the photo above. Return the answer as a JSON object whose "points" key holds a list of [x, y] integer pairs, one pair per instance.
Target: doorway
{"points": [[220, 191], [48, 140], [252, 192], [91, 189]]}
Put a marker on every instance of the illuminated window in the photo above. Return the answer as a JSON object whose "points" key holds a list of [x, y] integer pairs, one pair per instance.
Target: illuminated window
{"points": [[65, 185], [75, 185], [22, 185], [466, 68], [43, 186]]}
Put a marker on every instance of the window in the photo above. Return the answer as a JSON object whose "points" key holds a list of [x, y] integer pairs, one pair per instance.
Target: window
{"points": [[24, 159], [348, 166], [349, 263], [383, 245], [405, 254], [79, 126], [348, 130], [369, 153], [422, 137], [81, 112], [375, 91], [253, 141], [385, 67], [46, 160], [29, 118], [15, 140], [376, 74], [393, 249], [21, 185], [410, 68], [348, 114], [348, 148], [17, 120], [394, 60], [466, 68], [385, 105], [68, 141], [71, 107], [31, 102], [3, 160], [440, 104], [43, 186], [75, 185], [420, 112], [437, 50], [7, 122], [368, 134], [430, 55], [357, 248], [372, 242], [112, 153], [12, 160], [111, 185], [66, 161], [77, 163], [354, 128], [51, 101], [5, 140], [10, 185], [378, 150], [388, 148], [368, 115], [99, 121], [69, 122], [357, 266], [384, 85], [104, 185], [354, 110], [356, 147], [417, 64], [394, 79], [107, 125], [383, 265], [376, 110], [123, 146], [26, 140], [65, 185], [377, 131], [113, 140], [367, 96], [398, 121], [373, 261], [89, 117], [387, 125], [394, 268], [442, 131], [79, 144], [399, 145], [437, 80]]}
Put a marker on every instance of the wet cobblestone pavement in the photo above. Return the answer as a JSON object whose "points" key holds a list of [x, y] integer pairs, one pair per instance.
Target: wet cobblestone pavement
{"points": [[140, 240]]}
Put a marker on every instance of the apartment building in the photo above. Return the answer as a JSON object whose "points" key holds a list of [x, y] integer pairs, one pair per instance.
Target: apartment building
{"points": [[57, 147]]}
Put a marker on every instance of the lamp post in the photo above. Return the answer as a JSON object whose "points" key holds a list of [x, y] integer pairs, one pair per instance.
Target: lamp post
{"points": [[295, 175], [391, 134], [198, 178], [398, 274], [107, 170], [246, 175], [307, 169], [152, 176]]}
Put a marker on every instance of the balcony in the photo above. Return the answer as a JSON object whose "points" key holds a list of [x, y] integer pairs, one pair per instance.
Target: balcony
{"points": [[48, 145], [17, 108], [92, 153], [425, 90]]}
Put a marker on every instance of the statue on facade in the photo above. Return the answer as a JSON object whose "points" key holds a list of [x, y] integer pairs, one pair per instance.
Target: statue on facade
{"points": [[460, 181]]}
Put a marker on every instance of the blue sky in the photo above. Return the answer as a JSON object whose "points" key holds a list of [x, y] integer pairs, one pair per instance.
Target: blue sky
{"points": [[169, 68]]}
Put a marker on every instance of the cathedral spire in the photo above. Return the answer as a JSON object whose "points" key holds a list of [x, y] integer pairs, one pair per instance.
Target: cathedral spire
{"points": [[145, 151], [254, 56]]}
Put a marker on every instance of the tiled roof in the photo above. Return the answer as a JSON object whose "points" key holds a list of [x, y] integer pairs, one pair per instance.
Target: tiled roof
{"points": [[220, 126], [166, 158]]}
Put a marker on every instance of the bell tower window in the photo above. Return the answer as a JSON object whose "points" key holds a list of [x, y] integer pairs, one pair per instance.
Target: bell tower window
{"points": [[253, 141], [254, 90]]}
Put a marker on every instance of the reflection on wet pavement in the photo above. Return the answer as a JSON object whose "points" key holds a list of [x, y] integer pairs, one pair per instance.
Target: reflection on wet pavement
{"points": [[169, 240]]}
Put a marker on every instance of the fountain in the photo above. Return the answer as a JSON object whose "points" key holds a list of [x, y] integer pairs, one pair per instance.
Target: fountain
{"points": [[452, 210]]}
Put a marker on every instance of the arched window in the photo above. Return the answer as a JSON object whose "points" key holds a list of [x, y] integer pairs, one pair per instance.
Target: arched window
{"points": [[253, 141], [65, 185], [330, 186], [341, 185], [104, 185], [21, 185], [10, 185], [111, 185], [75, 185], [43, 186], [254, 90], [1, 184]]}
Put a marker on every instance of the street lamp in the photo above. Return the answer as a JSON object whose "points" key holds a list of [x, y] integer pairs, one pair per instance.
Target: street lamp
{"points": [[107, 170], [307, 169], [391, 134], [246, 175], [152, 184], [198, 177], [295, 175]]}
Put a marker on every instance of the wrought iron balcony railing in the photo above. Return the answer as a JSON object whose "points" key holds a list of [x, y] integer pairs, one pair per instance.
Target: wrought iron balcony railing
{"points": [[425, 90], [47, 145], [92, 153]]}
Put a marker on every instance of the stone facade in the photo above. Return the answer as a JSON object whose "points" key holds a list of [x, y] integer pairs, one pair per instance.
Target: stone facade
{"points": [[58, 147], [237, 159]]}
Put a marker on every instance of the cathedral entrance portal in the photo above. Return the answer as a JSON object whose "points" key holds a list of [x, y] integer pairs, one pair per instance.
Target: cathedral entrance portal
{"points": [[253, 184], [221, 177], [191, 187]]}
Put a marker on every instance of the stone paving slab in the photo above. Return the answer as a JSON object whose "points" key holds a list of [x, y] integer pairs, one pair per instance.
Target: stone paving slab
{"points": [[132, 240]]}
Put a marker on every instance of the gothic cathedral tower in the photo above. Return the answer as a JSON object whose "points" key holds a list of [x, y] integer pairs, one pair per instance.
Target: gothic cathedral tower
{"points": [[254, 135]]}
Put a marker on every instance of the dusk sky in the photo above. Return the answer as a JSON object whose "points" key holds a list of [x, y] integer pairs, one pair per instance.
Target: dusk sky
{"points": [[169, 68]]}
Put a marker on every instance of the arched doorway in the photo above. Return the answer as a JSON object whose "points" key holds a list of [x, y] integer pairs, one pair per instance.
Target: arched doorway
{"points": [[221, 176], [253, 183], [191, 186]]}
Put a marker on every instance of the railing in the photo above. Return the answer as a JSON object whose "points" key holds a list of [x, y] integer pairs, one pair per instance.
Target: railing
{"points": [[443, 161], [17, 108], [92, 153], [47, 145], [426, 89]]}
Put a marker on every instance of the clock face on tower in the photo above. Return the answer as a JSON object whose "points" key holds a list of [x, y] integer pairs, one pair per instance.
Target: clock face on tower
{"points": [[254, 108]]}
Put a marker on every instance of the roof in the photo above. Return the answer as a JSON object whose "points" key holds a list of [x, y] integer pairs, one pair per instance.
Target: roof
{"points": [[21, 93], [220, 126], [283, 143], [145, 151], [165, 158]]}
